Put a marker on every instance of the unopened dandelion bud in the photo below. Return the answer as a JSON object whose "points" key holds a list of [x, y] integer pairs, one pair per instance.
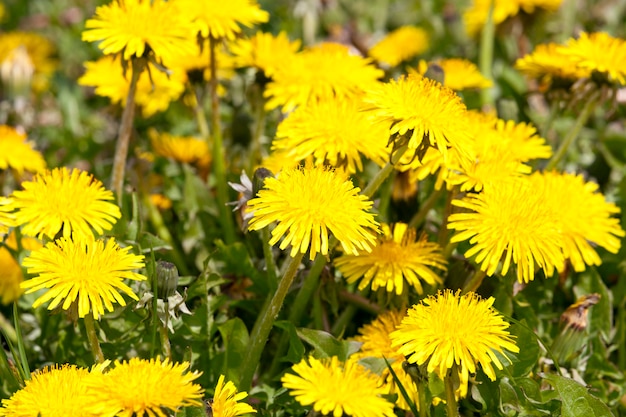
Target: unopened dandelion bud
{"points": [[167, 279]]}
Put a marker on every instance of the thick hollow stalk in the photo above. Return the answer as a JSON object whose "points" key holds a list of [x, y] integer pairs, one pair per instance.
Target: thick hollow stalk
{"points": [[487, 37], [451, 406], [92, 336], [125, 131]]}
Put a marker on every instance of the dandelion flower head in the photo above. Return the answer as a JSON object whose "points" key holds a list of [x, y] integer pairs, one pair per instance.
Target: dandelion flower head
{"points": [[598, 52], [398, 259], [63, 200], [548, 63], [376, 343], [423, 110], [308, 203], [264, 51], [84, 270], [337, 389], [400, 45], [141, 387], [334, 132], [320, 73], [186, 149], [450, 330], [222, 19], [17, 153], [134, 28], [226, 400], [458, 73], [11, 275], [55, 391]]}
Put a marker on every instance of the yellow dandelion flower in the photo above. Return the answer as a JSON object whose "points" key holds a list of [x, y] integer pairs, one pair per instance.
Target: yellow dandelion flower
{"points": [[55, 391], [17, 153], [197, 63], [82, 270], [334, 132], [458, 74], [11, 275], [186, 149], [226, 400], [318, 74], [63, 200], [586, 218], [547, 62], [475, 16], [221, 19], [433, 115], [400, 45], [502, 148], [598, 52], [449, 331], [277, 161], [529, 6], [308, 203], [162, 202], [510, 221], [7, 218], [398, 257], [264, 51], [34, 49], [337, 388], [141, 387], [155, 89], [136, 27], [376, 343]]}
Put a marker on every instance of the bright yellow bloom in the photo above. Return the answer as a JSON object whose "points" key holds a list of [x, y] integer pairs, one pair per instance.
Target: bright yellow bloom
{"points": [[320, 73], [63, 200], [547, 62], [424, 110], [7, 219], [11, 275], [509, 221], [82, 270], [308, 203], [475, 17], [29, 50], [226, 400], [155, 89], [52, 392], [376, 343], [458, 73], [598, 52], [586, 218], [453, 331], [136, 27], [398, 257], [264, 51], [334, 132], [17, 153], [221, 19], [186, 149], [141, 387], [400, 45], [162, 202], [337, 389]]}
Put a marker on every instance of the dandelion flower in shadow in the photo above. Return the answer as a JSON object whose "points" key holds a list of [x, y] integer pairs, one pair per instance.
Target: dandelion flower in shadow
{"points": [[453, 331], [84, 271], [308, 204], [400, 45], [11, 275], [18, 154], [135, 27], [145, 387], [398, 258], [336, 388], [226, 400], [63, 201], [55, 391]]}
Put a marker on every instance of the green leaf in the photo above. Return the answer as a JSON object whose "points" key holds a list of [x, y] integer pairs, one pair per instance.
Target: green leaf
{"points": [[295, 353], [575, 399], [524, 361], [236, 339], [149, 242], [325, 344]]}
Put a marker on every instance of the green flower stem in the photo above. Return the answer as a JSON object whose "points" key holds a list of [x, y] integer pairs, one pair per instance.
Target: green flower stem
{"points": [[584, 115], [21, 347], [443, 230], [423, 404], [125, 130], [485, 59], [620, 337], [474, 283], [7, 329], [547, 124], [219, 170], [264, 323], [451, 406], [382, 175], [165, 339], [259, 127], [346, 316], [93, 338], [272, 279], [359, 301], [203, 124], [425, 208]]}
